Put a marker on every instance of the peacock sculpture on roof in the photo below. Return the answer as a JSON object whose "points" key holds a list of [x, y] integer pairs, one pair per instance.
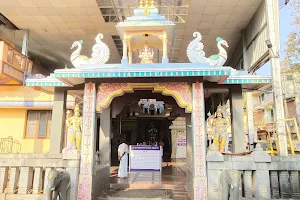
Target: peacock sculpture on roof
{"points": [[100, 53], [196, 54]]}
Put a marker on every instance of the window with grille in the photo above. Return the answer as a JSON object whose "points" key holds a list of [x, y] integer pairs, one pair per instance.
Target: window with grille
{"points": [[38, 124]]}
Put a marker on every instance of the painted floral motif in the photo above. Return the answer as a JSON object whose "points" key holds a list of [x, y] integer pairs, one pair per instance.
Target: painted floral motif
{"points": [[200, 189], [182, 89], [181, 92], [106, 92], [84, 189]]}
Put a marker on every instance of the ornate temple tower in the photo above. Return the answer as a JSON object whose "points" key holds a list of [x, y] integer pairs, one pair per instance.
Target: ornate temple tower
{"points": [[143, 30]]}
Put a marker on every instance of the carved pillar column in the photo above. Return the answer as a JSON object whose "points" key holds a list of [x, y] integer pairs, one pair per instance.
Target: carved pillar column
{"points": [[125, 49], [199, 143], [165, 48], [261, 176], [284, 184], [178, 131], [3, 178], [215, 162], [248, 184], [25, 182], [47, 170], [294, 181], [87, 162], [37, 182], [13, 179], [130, 57], [274, 184]]}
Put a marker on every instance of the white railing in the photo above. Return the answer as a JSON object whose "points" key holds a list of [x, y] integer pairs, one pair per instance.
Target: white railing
{"points": [[262, 176], [25, 175]]}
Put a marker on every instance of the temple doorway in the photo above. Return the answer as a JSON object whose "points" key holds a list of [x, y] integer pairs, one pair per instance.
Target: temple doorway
{"points": [[147, 118]]}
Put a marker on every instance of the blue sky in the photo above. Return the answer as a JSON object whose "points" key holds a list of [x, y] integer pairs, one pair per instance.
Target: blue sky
{"points": [[285, 21]]}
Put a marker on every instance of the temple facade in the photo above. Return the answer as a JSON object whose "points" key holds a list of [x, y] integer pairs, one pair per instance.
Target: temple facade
{"points": [[149, 101]]}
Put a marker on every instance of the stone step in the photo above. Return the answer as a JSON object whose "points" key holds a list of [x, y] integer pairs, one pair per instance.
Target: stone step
{"points": [[149, 194]]}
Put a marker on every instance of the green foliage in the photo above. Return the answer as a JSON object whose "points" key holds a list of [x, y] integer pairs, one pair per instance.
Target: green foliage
{"points": [[292, 52]]}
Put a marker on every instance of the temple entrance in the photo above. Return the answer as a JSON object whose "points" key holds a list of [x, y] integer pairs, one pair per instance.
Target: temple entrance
{"points": [[144, 118]]}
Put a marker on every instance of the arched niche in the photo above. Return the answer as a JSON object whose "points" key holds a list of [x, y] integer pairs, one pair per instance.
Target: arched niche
{"points": [[180, 91]]}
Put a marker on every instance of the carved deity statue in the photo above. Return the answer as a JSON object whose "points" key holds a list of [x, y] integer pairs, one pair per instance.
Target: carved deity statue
{"points": [[146, 54], [219, 127], [74, 129]]}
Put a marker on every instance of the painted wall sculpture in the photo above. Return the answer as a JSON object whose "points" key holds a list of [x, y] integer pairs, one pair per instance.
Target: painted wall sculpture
{"points": [[219, 126], [196, 54], [100, 53], [74, 130]]}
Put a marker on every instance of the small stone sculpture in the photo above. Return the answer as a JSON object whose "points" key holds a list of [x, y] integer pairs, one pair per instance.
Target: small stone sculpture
{"points": [[100, 53], [230, 182], [58, 185], [196, 54], [146, 54]]}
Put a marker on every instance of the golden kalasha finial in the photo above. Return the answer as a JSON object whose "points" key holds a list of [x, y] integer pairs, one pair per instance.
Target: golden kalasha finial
{"points": [[146, 11], [152, 4], [141, 4]]}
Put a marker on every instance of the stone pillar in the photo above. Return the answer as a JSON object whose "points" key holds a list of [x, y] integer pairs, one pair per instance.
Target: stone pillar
{"points": [[13, 179], [274, 184], [178, 133], [130, 57], [261, 176], [3, 178], [248, 184], [25, 43], [57, 132], [237, 119], [125, 49], [25, 181], [189, 156], [199, 142], [294, 181], [73, 155], [273, 35], [47, 170], [87, 161], [104, 137], [284, 184], [214, 158], [37, 182], [165, 48], [250, 120]]}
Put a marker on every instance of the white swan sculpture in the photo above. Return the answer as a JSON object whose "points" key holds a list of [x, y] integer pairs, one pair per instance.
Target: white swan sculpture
{"points": [[100, 53], [196, 54]]}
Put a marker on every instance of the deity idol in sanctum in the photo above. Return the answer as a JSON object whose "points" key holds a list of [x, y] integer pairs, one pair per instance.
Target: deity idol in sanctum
{"points": [[146, 54], [219, 127], [74, 130]]}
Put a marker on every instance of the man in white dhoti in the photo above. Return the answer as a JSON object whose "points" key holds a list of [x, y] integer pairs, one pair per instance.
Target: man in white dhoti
{"points": [[123, 158]]}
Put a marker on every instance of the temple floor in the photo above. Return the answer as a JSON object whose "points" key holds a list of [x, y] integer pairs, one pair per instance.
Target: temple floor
{"points": [[168, 184]]}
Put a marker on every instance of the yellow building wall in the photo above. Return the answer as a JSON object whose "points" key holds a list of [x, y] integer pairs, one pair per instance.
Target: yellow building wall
{"points": [[13, 119], [13, 123]]}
